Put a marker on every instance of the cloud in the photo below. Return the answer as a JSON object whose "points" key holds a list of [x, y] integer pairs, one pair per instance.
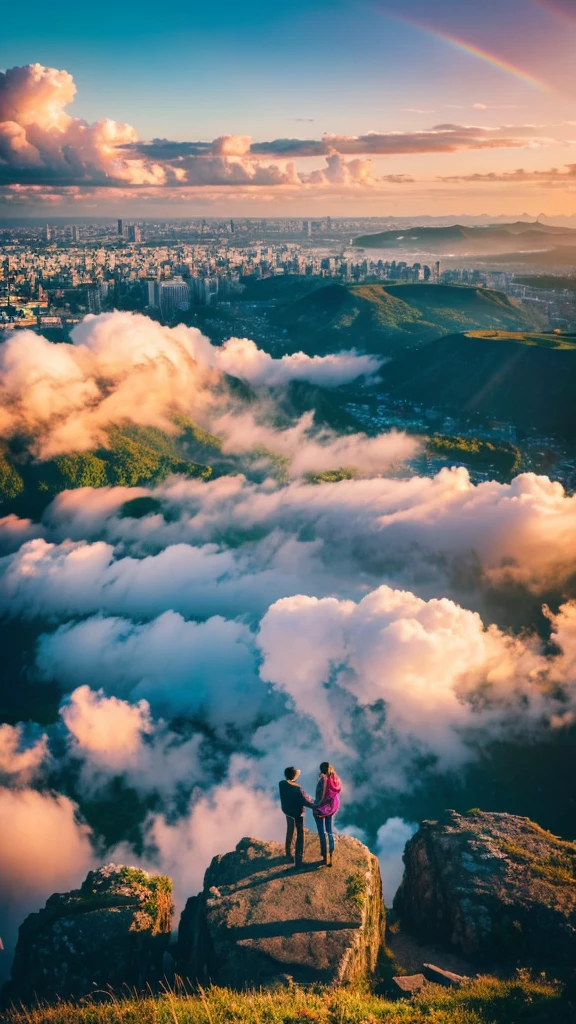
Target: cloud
{"points": [[241, 358], [437, 670], [308, 450], [20, 761], [553, 175], [113, 737], [203, 670], [43, 849], [47, 156], [391, 839], [66, 395], [213, 825]]}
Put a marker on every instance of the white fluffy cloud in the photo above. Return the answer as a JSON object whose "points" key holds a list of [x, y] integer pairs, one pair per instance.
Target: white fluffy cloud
{"points": [[206, 669], [124, 365], [240, 357], [439, 673]]}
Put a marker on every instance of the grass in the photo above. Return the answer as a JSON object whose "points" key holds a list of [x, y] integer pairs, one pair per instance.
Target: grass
{"points": [[486, 1000], [357, 889], [557, 342], [558, 867]]}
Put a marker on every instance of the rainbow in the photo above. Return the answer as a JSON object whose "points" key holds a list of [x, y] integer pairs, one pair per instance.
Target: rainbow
{"points": [[475, 51]]}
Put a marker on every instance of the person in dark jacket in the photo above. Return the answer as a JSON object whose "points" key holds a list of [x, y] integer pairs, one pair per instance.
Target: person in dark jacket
{"points": [[294, 801]]}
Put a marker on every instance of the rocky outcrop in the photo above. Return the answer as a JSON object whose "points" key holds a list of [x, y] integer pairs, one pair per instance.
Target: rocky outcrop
{"points": [[258, 921], [494, 886], [110, 933]]}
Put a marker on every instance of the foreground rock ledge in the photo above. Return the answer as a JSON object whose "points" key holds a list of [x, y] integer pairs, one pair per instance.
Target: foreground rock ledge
{"points": [[257, 921], [495, 886], [110, 933]]}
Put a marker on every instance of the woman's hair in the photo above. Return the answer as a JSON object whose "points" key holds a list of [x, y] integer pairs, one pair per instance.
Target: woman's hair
{"points": [[327, 769]]}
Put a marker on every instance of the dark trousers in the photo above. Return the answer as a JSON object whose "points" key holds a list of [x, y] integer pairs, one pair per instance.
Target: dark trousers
{"points": [[324, 826], [295, 825]]}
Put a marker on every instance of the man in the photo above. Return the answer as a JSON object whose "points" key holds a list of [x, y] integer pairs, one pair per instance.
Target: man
{"points": [[293, 801]]}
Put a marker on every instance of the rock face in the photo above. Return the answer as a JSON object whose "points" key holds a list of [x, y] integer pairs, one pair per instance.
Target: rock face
{"points": [[495, 886], [258, 921], [111, 932]]}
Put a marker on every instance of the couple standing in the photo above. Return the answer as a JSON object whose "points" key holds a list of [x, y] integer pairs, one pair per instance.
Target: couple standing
{"points": [[294, 801]]}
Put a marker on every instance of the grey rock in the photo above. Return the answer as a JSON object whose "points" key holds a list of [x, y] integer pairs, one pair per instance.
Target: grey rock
{"points": [[408, 985], [109, 934], [495, 886], [316, 925], [446, 978]]}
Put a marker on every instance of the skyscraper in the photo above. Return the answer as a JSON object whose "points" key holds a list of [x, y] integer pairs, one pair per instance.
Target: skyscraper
{"points": [[120, 228], [174, 296]]}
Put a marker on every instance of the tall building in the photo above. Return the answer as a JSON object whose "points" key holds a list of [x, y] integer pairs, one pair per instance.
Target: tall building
{"points": [[174, 297], [120, 228], [134, 233], [48, 233], [94, 298]]}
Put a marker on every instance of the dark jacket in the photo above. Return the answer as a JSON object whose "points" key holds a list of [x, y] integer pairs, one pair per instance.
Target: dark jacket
{"points": [[293, 799]]}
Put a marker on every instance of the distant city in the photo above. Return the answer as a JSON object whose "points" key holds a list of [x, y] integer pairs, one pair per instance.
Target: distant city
{"points": [[52, 274]]}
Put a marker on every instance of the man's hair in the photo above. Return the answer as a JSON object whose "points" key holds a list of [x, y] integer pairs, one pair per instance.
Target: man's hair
{"points": [[327, 769], [290, 773]]}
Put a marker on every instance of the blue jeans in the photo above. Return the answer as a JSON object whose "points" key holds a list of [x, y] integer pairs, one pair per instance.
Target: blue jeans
{"points": [[324, 826]]}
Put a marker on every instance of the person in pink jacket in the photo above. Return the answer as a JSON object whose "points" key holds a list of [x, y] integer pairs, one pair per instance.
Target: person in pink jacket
{"points": [[326, 803]]}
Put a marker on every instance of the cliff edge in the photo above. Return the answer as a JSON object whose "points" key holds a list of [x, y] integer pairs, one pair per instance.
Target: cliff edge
{"points": [[258, 921], [494, 886]]}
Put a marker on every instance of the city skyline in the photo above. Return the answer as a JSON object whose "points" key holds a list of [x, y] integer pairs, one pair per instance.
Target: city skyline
{"points": [[349, 109]]}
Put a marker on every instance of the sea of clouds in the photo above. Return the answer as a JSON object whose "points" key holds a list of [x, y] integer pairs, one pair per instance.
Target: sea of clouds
{"points": [[384, 622]]}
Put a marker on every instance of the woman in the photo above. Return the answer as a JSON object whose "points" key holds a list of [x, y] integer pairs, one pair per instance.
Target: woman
{"points": [[326, 804]]}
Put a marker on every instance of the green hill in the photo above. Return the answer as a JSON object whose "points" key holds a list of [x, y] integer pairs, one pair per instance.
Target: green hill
{"points": [[390, 318], [457, 237], [523, 377], [133, 456]]}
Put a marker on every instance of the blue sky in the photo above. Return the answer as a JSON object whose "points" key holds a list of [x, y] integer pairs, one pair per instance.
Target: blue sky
{"points": [[198, 71]]}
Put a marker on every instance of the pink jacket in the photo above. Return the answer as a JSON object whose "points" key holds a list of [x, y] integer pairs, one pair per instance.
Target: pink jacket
{"points": [[331, 797]]}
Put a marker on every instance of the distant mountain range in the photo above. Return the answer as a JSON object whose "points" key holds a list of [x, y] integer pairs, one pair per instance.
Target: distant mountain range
{"points": [[460, 238], [526, 378], [388, 319]]}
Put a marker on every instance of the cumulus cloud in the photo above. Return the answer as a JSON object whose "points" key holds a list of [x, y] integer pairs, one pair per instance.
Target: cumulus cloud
{"points": [[45, 149], [438, 671], [204, 670], [124, 365], [113, 737]]}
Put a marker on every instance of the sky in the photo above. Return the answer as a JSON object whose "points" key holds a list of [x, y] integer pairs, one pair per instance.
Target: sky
{"points": [[432, 108]]}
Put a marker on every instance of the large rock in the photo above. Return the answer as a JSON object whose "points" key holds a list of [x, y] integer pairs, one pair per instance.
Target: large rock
{"points": [[110, 933], [258, 921], [494, 885]]}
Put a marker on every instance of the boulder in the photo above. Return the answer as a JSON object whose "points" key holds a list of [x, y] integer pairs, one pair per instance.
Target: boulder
{"points": [[495, 886], [406, 986], [258, 921], [111, 933], [446, 978]]}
